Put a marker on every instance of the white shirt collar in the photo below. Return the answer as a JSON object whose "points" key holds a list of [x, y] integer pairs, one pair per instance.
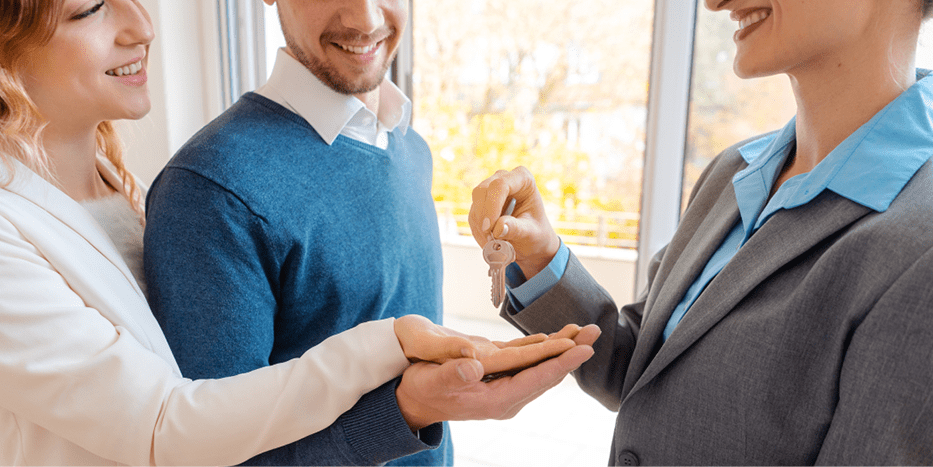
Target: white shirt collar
{"points": [[330, 113]]}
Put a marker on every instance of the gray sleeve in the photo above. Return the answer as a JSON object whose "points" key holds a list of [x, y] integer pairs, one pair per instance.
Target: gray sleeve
{"points": [[578, 299]]}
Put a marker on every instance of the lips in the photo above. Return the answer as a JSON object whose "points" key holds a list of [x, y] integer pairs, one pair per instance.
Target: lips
{"points": [[749, 20], [126, 70], [362, 50]]}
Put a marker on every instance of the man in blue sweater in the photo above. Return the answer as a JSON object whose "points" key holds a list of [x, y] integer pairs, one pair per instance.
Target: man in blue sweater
{"points": [[302, 211]]}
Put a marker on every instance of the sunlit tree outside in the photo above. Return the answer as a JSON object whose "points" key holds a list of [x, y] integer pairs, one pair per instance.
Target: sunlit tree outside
{"points": [[559, 87]]}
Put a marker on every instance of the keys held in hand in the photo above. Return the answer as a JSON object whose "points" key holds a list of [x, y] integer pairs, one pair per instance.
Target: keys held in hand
{"points": [[499, 254]]}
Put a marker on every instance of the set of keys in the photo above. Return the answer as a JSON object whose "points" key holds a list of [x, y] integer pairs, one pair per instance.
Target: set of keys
{"points": [[499, 254]]}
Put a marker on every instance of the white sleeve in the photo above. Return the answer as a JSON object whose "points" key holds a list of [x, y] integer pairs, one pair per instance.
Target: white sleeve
{"points": [[69, 370]]}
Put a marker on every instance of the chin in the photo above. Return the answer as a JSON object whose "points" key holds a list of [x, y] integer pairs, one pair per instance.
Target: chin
{"points": [[138, 111], [749, 71]]}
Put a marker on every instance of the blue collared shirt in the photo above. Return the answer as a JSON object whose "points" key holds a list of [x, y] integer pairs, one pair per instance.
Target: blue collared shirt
{"points": [[870, 167]]}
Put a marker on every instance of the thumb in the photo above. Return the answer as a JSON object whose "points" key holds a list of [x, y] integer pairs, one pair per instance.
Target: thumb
{"points": [[514, 229], [457, 372]]}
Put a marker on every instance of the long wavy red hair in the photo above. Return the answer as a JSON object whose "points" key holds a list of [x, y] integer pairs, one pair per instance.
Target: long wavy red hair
{"points": [[26, 25]]}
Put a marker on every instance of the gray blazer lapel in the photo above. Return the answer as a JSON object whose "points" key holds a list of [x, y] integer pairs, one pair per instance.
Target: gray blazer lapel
{"points": [[778, 242], [689, 261]]}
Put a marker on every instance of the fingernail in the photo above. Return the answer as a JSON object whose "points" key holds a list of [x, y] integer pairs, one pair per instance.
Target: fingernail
{"points": [[469, 372], [485, 224], [505, 230], [468, 352]]}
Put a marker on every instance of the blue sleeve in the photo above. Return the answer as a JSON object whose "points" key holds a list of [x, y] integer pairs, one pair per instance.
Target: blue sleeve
{"points": [[212, 272], [523, 292]]}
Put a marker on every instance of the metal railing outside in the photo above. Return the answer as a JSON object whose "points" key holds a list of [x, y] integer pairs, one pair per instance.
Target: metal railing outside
{"points": [[618, 230]]}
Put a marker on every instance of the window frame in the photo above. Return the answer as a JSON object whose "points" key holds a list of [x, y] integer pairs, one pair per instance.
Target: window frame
{"points": [[667, 109]]}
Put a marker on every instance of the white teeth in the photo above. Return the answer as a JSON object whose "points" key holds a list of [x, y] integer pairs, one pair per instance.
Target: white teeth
{"points": [[753, 18], [130, 69], [358, 50]]}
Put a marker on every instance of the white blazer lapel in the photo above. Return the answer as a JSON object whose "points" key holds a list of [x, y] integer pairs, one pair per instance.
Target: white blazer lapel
{"points": [[83, 253]]}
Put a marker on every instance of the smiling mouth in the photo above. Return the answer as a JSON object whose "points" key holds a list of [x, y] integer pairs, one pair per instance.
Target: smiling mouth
{"points": [[359, 50], [749, 21], [128, 70], [754, 17]]}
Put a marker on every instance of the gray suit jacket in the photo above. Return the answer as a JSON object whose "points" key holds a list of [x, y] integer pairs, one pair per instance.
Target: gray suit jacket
{"points": [[813, 345]]}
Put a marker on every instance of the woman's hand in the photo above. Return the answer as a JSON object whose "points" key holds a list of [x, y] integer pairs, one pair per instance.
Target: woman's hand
{"points": [[527, 229], [424, 341], [456, 390]]}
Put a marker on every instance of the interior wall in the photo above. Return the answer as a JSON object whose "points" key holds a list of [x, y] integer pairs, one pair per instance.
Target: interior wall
{"points": [[184, 75]]}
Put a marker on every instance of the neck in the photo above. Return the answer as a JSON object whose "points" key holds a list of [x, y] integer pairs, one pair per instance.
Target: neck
{"points": [[73, 158], [838, 96]]}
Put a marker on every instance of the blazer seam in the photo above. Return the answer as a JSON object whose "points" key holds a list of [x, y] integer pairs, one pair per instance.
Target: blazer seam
{"points": [[19, 433]]}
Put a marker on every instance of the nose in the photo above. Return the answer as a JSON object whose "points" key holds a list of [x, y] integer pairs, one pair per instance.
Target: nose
{"points": [[365, 16], [135, 24], [716, 5]]}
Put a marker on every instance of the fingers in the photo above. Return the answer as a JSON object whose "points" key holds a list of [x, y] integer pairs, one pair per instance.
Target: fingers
{"points": [[588, 335], [526, 340], [567, 332], [490, 196], [515, 358], [515, 392]]}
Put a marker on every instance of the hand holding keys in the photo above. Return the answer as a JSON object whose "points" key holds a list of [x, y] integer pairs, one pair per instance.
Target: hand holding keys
{"points": [[499, 254]]}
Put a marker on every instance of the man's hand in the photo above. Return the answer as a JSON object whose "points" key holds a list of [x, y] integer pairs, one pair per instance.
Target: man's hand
{"points": [[527, 229], [424, 341], [431, 392]]}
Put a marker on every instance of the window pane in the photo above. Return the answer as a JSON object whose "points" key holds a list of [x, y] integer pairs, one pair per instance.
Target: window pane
{"points": [[559, 87], [725, 109]]}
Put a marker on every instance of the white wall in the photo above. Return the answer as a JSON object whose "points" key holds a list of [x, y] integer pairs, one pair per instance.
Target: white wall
{"points": [[183, 83], [467, 286]]}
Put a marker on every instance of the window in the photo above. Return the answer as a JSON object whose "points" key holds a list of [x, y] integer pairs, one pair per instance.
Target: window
{"points": [[556, 89], [725, 109]]}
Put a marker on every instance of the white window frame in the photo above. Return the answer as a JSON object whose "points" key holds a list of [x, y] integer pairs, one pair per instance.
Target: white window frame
{"points": [[668, 102]]}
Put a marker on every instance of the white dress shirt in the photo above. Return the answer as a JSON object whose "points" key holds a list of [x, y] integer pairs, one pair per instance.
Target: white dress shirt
{"points": [[330, 113]]}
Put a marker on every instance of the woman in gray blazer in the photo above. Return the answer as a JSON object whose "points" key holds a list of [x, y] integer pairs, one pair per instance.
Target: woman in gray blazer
{"points": [[790, 319]]}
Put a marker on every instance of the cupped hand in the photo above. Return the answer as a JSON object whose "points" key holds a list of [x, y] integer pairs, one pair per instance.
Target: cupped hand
{"points": [[455, 390]]}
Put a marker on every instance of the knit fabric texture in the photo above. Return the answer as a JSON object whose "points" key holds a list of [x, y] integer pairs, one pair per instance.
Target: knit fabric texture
{"points": [[262, 241]]}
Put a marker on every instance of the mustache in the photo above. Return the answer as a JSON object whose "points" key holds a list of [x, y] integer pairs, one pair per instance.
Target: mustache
{"points": [[352, 35]]}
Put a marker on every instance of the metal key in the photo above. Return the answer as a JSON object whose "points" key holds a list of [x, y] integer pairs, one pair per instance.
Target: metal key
{"points": [[498, 254]]}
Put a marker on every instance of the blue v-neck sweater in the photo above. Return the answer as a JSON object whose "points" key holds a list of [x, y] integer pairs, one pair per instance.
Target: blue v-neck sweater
{"points": [[262, 241]]}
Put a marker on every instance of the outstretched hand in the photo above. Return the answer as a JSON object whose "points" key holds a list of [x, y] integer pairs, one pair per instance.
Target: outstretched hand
{"points": [[424, 341], [455, 390]]}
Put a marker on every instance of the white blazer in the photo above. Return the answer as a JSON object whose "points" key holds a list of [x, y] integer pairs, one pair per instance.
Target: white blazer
{"points": [[86, 376]]}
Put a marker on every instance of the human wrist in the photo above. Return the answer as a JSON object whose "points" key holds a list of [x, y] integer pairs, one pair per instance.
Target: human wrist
{"points": [[532, 264], [414, 413]]}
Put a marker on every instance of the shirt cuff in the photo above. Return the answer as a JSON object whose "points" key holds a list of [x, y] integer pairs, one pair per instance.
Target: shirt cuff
{"points": [[524, 292]]}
